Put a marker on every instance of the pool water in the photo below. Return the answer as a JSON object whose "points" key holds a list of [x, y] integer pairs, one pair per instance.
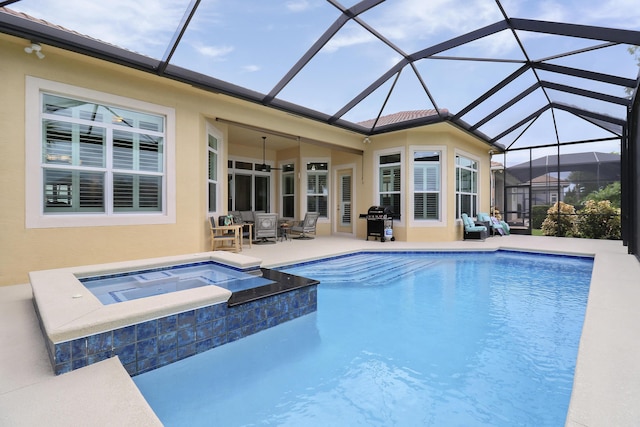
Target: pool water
{"points": [[468, 339], [114, 288]]}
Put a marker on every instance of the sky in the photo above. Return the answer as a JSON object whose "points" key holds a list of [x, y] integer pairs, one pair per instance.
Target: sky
{"points": [[253, 44]]}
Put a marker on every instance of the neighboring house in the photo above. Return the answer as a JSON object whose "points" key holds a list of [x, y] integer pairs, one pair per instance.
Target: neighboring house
{"points": [[547, 190], [548, 179], [102, 162]]}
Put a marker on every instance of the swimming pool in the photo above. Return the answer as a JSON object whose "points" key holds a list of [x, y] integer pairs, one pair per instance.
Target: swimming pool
{"points": [[399, 339]]}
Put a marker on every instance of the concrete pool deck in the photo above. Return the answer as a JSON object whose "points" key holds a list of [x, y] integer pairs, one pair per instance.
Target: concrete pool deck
{"points": [[606, 385]]}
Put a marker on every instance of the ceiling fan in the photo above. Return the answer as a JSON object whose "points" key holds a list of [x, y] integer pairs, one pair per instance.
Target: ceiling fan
{"points": [[264, 167]]}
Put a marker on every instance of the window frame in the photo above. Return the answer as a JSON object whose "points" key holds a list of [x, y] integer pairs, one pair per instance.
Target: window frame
{"points": [[283, 195], [221, 170], [457, 193], [34, 170], [304, 200], [442, 221], [376, 179], [249, 171]]}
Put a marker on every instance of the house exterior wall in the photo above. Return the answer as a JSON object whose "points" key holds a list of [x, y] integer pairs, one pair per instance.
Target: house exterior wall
{"points": [[26, 248], [451, 141]]}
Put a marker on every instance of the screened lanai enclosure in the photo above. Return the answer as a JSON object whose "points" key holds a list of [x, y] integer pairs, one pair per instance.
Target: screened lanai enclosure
{"points": [[543, 83]]}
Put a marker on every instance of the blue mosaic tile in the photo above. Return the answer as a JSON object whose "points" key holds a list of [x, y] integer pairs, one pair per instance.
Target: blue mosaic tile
{"points": [[205, 314], [127, 353], [186, 350], [63, 368], [204, 331], [186, 336], [99, 342], [63, 352], [219, 326], [234, 321], [147, 364], [187, 319], [79, 363], [124, 336], [146, 348], [168, 324], [146, 330], [220, 340], [220, 310], [156, 343], [168, 357], [167, 342], [79, 348], [97, 357], [234, 335], [204, 345], [131, 368]]}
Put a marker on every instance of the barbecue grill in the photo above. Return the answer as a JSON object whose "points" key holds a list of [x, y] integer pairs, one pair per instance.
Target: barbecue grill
{"points": [[379, 223]]}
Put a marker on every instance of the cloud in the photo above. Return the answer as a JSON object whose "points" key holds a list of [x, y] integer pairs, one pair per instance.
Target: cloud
{"points": [[349, 37], [251, 68], [216, 52], [298, 5], [143, 25]]}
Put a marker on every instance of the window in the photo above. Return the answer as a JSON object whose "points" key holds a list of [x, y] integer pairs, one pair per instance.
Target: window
{"points": [[390, 181], [249, 186], [317, 188], [288, 190], [214, 146], [466, 186], [96, 163], [79, 175], [426, 185]]}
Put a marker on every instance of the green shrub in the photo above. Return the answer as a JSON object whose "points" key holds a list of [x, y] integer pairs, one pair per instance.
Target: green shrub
{"points": [[599, 220], [563, 225], [538, 214]]}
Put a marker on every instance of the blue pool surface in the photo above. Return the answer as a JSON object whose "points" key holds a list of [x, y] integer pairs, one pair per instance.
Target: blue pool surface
{"points": [[414, 339], [114, 288]]}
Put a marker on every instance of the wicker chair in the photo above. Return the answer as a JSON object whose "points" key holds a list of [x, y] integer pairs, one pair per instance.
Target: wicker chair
{"points": [[265, 227], [306, 226]]}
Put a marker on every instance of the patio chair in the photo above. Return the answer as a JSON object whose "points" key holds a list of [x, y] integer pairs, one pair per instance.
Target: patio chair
{"points": [[265, 227], [247, 226], [473, 230], [306, 226], [493, 225], [224, 237]]}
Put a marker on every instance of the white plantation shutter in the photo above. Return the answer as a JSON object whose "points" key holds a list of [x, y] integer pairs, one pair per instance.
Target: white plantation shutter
{"points": [[345, 203], [426, 186]]}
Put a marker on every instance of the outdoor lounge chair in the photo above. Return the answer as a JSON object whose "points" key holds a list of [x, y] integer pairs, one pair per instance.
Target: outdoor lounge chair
{"points": [[265, 227], [224, 237], [473, 230], [306, 226], [494, 226]]}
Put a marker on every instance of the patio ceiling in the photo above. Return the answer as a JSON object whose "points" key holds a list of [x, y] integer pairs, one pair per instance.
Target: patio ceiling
{"points": [[517, 74]]}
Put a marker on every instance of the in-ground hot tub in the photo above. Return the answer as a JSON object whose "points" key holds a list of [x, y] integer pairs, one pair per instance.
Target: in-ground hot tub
{"points": [[152, 331]]}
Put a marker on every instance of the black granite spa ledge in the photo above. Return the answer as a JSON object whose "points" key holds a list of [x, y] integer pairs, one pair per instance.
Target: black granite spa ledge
{"points": [[281, 283]]}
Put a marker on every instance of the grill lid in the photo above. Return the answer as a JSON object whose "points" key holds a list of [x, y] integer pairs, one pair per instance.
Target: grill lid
{"points": [[380, 210]]}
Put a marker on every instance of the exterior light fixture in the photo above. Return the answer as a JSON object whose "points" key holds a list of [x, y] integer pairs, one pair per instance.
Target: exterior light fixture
{"points": [[35, 47]]}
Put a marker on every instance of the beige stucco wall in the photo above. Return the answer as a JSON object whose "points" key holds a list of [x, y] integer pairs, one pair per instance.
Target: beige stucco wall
{"points": [[454, 141], [29, 249]]}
